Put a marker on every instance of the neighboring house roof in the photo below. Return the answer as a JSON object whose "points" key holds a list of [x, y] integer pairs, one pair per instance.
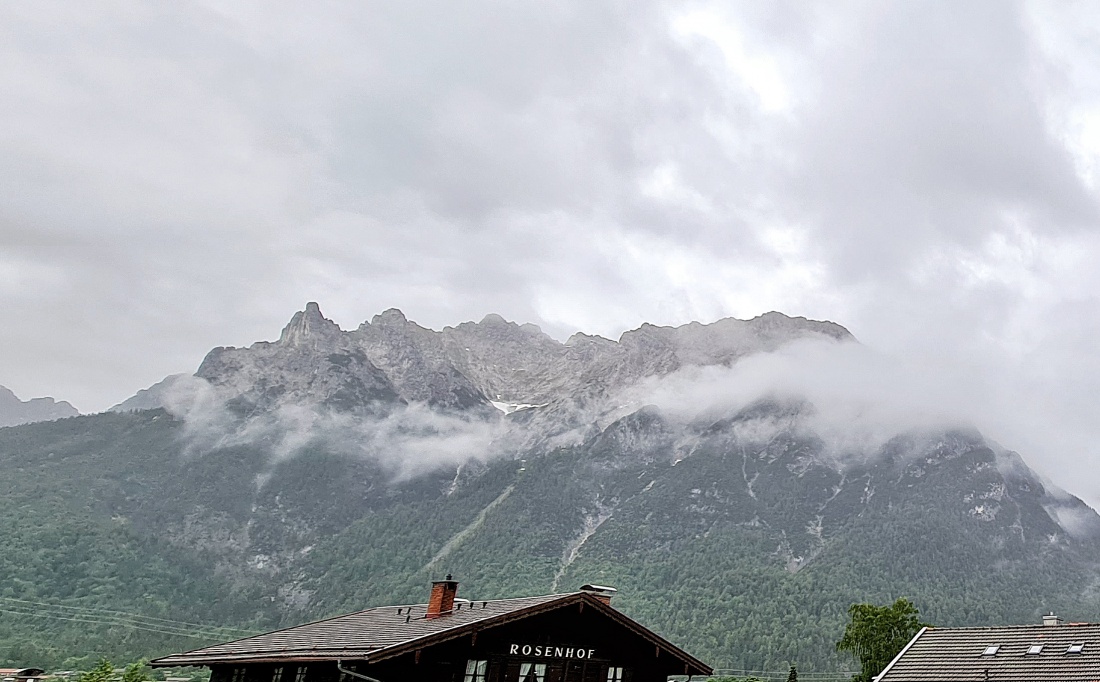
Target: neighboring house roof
{"points": [[940, 654], [386, 631]]}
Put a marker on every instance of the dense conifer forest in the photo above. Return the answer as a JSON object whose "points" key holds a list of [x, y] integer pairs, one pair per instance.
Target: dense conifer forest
{"points": [[117, 541]]}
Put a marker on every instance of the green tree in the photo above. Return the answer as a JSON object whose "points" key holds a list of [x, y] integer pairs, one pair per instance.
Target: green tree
{"points": [[792, 676], [875, 634], [102, 672], [136, 672]]}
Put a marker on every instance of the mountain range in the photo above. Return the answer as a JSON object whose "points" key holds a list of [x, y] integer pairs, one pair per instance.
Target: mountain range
{"points": [[330, 470]]}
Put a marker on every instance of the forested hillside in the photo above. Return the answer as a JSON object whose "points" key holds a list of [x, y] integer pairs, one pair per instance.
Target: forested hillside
{"points": [[107, 512]]}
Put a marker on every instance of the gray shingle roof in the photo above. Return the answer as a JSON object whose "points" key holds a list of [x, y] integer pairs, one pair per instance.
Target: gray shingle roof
{"points": [[384, 631], [955, 654]]}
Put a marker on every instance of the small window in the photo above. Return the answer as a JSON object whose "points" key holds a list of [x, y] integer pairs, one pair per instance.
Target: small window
{"points": [[475, 671], [991, 650], [532, 672], [1034, 649], [238, 675], [277, 676], [1075, 648], [300, 674], [615, 674]]}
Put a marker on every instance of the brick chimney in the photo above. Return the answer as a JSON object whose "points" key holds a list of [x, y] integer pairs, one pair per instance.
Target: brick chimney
{"points": [[600, 592], [442, 599]]}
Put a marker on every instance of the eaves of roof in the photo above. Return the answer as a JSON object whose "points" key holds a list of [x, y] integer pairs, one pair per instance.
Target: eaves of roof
{"points": [[697, 667], [900, 654]]}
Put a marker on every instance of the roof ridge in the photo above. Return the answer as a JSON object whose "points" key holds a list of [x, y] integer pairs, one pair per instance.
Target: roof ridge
{"points": [[405, 606], [366, 611], [1028, 626], [272, 632]]}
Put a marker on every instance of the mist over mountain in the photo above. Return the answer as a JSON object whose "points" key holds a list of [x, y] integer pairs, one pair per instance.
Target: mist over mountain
{"points": [[14, 411], [740, 482]]}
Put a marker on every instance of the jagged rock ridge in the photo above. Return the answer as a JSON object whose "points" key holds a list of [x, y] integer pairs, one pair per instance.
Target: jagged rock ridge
{"points": [[391, 359]]}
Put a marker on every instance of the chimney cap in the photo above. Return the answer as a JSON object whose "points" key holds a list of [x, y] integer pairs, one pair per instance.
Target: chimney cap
{"points": [[598, 589], [1051, 619]]}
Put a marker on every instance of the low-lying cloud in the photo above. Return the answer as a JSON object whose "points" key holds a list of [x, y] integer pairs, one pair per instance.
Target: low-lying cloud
{"points": [[406, 440], [862, 398]]}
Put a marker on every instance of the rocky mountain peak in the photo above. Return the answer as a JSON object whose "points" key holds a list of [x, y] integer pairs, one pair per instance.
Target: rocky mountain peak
{"points": [[14, 411], [496, 324], [391, 316], [582, 339], [727, 339], [309, 327]]}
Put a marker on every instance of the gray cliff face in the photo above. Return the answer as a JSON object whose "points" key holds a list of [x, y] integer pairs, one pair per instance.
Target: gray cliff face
{"points": [[508, 362], [312, 363], [416, 361], [14, 411]]}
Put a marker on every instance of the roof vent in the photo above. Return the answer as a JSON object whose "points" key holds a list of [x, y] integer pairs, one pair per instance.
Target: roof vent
{"points": [[991, 650], [1050, 619], [601, 592]]}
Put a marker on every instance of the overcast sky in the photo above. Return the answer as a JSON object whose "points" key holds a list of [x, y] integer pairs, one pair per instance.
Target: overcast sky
{"points": [[177, 176]]}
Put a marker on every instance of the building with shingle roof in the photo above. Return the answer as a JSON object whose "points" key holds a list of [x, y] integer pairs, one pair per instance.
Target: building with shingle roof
{"points": [[21, 674], [573, 637], [1052, 652]]}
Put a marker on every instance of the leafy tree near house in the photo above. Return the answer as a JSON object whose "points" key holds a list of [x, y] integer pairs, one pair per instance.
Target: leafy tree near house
{"points": [[792, 676], [103, 671], [875, 634], [136, 672]]}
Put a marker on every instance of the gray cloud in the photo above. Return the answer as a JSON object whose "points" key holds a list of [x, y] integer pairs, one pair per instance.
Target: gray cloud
{"points": [[175, 177]]}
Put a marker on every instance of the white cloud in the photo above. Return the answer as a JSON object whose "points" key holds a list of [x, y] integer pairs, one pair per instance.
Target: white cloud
{"points": [[862, 398], [756, 69], [406, 441]]}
